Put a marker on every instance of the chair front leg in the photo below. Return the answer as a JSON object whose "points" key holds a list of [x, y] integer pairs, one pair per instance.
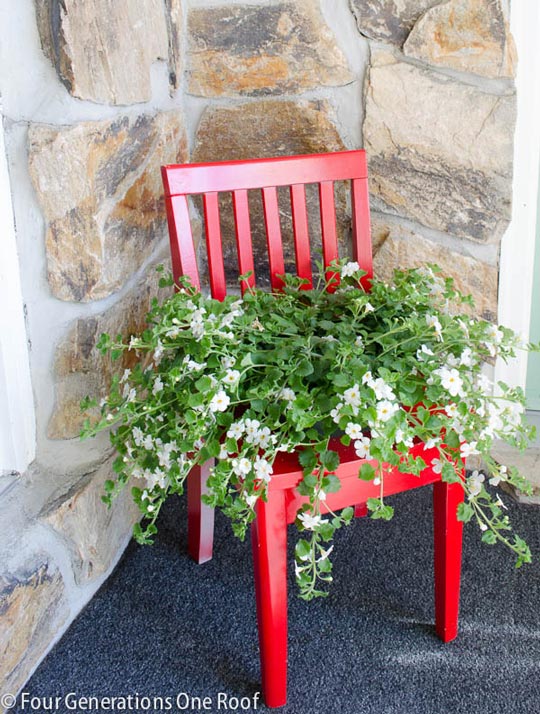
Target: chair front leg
{"points": [[269, 542], [448, 532], [200, 516]]}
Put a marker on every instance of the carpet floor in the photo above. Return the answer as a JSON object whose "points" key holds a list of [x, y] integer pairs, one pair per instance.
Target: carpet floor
{"points": [[162, 626]]}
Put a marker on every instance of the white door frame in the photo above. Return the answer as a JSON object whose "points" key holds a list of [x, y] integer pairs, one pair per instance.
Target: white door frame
{"points": [[17, 414], [518, 243]]}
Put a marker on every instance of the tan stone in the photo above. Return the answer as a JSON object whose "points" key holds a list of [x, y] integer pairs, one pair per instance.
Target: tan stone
{"points": [[264, 129], [32, 610], [94, 533], [388, 20], [467, 35], [398, 248], [262, 49], [81, 370], [103, 50], [426, 161], [99, 186]]}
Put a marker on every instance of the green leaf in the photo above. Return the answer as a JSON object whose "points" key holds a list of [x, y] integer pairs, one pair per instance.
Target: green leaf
{"points": [[489, 537], [366, 473], [331, 483], [329, 459], [465, 512]]}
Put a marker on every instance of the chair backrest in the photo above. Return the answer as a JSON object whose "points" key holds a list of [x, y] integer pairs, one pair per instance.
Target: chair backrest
{"points": [[238, 177]]}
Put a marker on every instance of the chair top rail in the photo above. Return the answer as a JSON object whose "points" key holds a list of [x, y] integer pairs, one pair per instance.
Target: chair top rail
{"points": [[182, 179]]}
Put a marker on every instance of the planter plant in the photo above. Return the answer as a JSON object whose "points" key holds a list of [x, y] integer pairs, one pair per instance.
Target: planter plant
{"points": [[243, 379]]}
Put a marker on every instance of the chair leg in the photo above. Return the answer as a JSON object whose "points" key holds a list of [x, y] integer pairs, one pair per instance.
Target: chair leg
{"points": [[269, 542], [200, 516], [448, 539]]}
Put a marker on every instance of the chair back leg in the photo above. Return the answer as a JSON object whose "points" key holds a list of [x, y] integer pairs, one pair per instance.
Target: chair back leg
{"points": [[448, 532], [200, 516], [269, 542]]}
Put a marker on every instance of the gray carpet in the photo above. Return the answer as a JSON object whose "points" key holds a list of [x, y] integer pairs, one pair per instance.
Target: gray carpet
{"points": [[162, 625]]}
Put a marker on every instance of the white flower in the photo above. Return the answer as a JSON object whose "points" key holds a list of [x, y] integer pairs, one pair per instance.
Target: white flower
{"points": [[287, 394], [228, 362], [466, 357], [437, 465], [223, 453], [353, 430], [352, 396], [451, 380], [231, 376], [158, 385], [376, 481], [336, 412], [236, 430], [401, 438], [467, 450], [494, 334], [198, 444], [138, 436], [367, 379], [164, 454], [451, 410], [433, 321], [359, 341], [219, 401], [125, 376], [158, 351], [263, 437], [309, 522], [251, 427], [350, 269], [148, 442], [251, 499], [368, 307], [241, 467], [381, 389], [361, 446], [423, 353], [474, 482], [386, 410], [483, 383], [496, 479], [263, 469], [324, 554], [192, 365]]}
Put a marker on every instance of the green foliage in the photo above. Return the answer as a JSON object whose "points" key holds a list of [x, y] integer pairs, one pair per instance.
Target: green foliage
{"points": [[243, 381]]}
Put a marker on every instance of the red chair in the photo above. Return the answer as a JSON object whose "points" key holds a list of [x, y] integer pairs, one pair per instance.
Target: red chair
{"points": [[269, 530]]}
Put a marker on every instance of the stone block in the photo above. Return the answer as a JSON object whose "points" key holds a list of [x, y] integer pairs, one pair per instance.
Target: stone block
{"points": [[268, 49], [99, 185]]}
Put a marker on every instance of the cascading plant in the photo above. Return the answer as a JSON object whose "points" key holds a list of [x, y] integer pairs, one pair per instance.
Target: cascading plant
{"points": [[241, 380]]}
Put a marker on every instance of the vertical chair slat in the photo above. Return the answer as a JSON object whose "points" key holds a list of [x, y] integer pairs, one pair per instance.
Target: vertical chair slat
{"points": [[184, 260], [273, 236], [361, 229], [328, 225], [301, 233], [243, 236], [214, 247]]}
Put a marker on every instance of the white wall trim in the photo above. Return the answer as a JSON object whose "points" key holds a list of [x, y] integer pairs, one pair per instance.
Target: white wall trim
{"points": [[518, 243], [17, 414]]}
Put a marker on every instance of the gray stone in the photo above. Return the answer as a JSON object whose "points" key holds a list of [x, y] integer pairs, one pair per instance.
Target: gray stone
{"points": [[95, 534], [426, 162], [388, 20], [265, 129], [466, 35], [81, 370], [99, 185], [262, 50], [103, 50], [33, 608], [395, 247]]}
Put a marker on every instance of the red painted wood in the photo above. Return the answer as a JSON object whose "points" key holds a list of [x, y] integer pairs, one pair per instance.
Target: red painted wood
{"points": [[269, 544], [448, 534], [361, 229], [301, 234], [361, 510], [258, 173], [273, 236], [328, 227], [243, 237], [200, 516], [184, 260], [214, 247]]}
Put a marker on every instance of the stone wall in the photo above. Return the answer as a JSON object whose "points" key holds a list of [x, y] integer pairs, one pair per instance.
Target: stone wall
{"points": [[97, 95]]}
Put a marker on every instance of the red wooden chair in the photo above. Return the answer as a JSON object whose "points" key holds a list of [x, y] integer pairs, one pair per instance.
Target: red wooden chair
{"points": [[269, 530]]}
